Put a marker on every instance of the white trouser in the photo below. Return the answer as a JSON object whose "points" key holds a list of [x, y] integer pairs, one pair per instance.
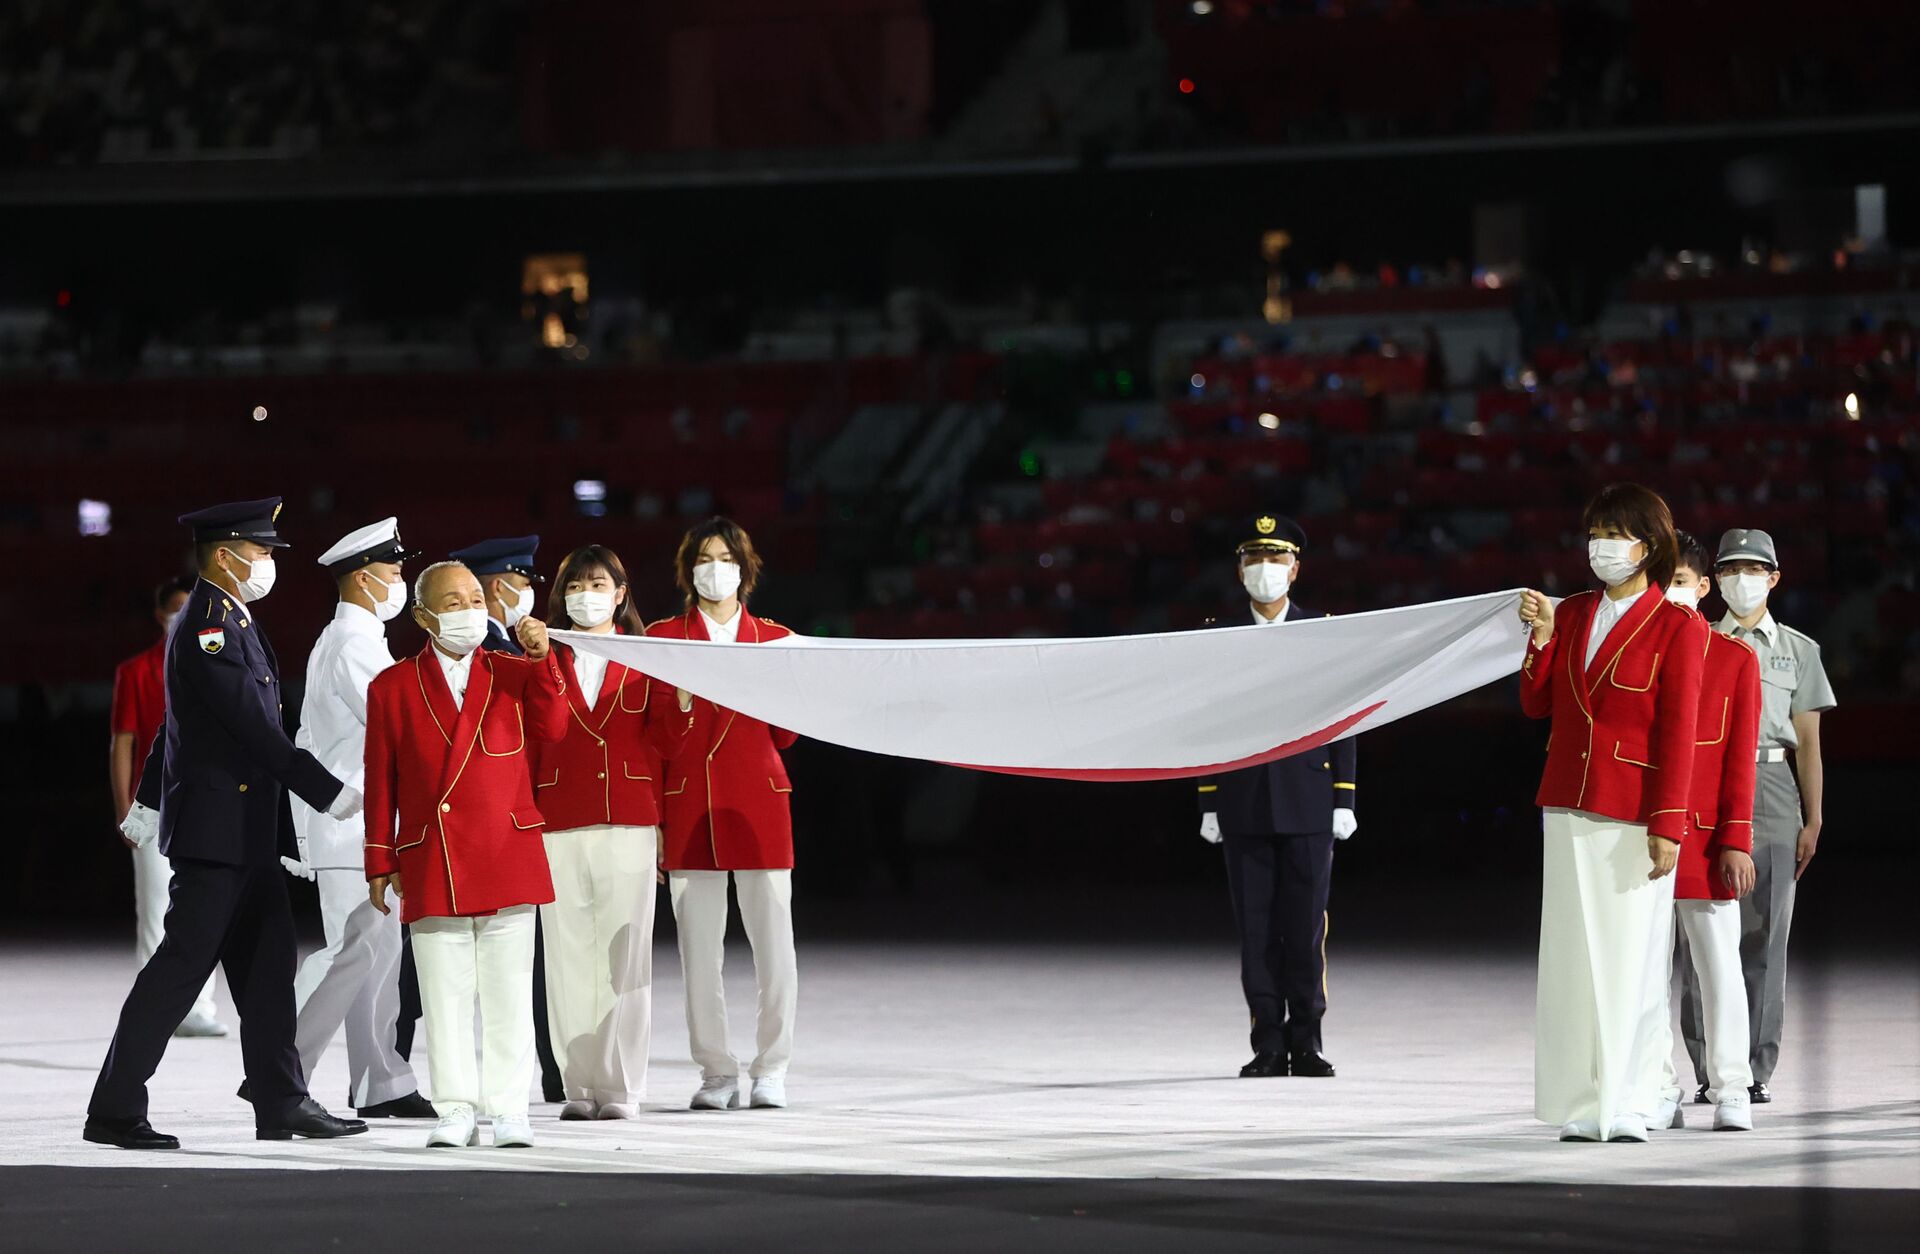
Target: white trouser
{"points": [[1713, 945], [354, 980], [488, 962], [1598, 911], [152, 879], [599, 938], [766, 909]]}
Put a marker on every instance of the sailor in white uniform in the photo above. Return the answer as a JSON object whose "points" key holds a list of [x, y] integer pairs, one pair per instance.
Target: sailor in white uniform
{"points": [[355, 979]]}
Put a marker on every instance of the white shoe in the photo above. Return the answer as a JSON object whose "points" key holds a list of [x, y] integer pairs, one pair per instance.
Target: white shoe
{"points": [[1627, 1128], [1667, 1114], [200, 1024], [719, 1093], [1732, 1117], [1678, 1118], [770, 1093], [512, 1132], [1580, 1130], [456, 1129], [616, 1110], [577, 1110]]}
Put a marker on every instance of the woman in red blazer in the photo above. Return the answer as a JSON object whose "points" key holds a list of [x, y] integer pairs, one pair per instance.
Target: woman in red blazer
{"points": [[1618, 673], [599, 791], [726, 814], [1715, 871]]}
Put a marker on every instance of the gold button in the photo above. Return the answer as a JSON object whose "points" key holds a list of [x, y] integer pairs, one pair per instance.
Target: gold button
{"points": [[601, 743], [243, 788], [445, 806], [603, 775], [1583, 753]]}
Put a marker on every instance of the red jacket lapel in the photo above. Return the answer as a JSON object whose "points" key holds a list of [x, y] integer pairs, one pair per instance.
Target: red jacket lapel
{"points": [[473, 708], [436, 694], [1617, 639]]}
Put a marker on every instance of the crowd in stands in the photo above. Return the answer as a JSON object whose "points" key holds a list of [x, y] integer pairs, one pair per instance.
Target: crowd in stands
{"points": [[1412, 493], [114, 80]]}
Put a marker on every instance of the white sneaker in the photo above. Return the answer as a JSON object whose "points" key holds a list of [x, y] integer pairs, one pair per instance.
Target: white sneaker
{"points": [[198, 1023], [1667, 1114], [512, 1132], [770, 1093], [1627, 1128], [456, 1129], [616, 1110], [1580, 1130], [722, 1092], [1732, 1117], [576, 1110]]}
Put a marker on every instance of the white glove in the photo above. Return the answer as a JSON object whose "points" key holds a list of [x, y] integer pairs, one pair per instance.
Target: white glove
{"points": [[347, 804], [301, 867], [1344, 824], [1210, 827], [141, 826]]}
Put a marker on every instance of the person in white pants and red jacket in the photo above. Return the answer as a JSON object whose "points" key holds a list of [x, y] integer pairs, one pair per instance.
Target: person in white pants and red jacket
{"points": [[598, 789], [727, 817], [1715, 870]]}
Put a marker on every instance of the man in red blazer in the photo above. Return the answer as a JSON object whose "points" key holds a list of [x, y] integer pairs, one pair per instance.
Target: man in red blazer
{"points": [[1715, 869], [453, 830]]}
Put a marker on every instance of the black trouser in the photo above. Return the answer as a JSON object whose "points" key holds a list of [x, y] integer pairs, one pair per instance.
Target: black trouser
{"points": [[237, 917], [551, 1087], [1279, 886], [409, 998]]}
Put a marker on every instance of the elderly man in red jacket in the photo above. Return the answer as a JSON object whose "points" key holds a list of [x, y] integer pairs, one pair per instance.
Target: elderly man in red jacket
{"points": [[453, 830]]}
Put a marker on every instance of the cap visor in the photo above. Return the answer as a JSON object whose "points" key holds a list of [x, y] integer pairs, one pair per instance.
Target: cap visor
{"points": [[1744, 555]]}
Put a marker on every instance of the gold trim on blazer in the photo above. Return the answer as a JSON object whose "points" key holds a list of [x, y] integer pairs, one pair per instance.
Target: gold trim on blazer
{"points": [[1726, 716], [550, 783], [524, 827], [628, 774], [1630, 761], [675, 792], [519, 721], [428, 701], [1613, 676], [776, 787]]}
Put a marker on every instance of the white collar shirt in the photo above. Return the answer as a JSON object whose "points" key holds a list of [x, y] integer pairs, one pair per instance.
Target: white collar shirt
{"points": [[727, 632], [589, 672], [457, 671], [1261, 620], [1607, 616]]}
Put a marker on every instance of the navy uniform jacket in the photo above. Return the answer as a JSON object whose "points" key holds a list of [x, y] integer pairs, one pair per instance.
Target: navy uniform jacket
{"points": [[500, 640], [221, 758], [1292, 797]]}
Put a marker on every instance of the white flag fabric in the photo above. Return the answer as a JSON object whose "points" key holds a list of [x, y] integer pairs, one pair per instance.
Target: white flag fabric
{"points": [[1161, 706]]}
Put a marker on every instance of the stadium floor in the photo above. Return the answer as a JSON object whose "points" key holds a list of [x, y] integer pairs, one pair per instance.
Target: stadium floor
{"points": [[968, 1095]]}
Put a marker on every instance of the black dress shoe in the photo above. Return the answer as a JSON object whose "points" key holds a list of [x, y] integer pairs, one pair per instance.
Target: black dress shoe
{"points": [[309, 1119], [412, 1106], [1700, 1097], [134, 1134], [1312, 1065], [1759, 1094], [1264, 1065]]}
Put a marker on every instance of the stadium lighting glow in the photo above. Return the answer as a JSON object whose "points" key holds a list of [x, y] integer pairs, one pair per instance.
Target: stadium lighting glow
{"points": [[1186, 87], [1202, 7], [1270, 421], [1198, 380], [96, 518], [1853, 406]]}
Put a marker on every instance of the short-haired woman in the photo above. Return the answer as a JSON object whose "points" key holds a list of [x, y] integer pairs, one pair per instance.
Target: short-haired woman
{"points": [[598, 790], [727, 814], [1618, 673]]}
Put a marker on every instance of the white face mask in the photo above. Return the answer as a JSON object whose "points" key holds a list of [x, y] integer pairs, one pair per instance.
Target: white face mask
{"points": [[460, 631], [1267, 582], [260, 577], [388, 601], [716, 581], [589, 609], [1688, 597], [1611, 562], [1743, 593], [173, 618], [515, 603]]}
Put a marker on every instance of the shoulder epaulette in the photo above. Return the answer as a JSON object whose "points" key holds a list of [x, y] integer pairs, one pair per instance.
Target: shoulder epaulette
{"points": [[1794, 631]]}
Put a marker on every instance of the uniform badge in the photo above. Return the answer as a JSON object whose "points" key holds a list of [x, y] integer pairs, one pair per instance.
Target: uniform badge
{"points": [[1265, 526], [213, 639]]}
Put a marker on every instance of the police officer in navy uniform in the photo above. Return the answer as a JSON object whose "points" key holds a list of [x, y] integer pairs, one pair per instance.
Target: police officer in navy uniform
{"points": [[505, 570], [210, 794], [1277, 824]]}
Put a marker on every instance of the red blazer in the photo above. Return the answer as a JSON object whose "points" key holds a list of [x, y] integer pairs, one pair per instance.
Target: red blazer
{"points": [[1623, 728], [606, 770], [726, 795], [449, 798], [1728, 741]]}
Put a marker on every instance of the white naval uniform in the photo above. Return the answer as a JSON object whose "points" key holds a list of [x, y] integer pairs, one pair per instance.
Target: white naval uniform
{"points": [[355, 978]]}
